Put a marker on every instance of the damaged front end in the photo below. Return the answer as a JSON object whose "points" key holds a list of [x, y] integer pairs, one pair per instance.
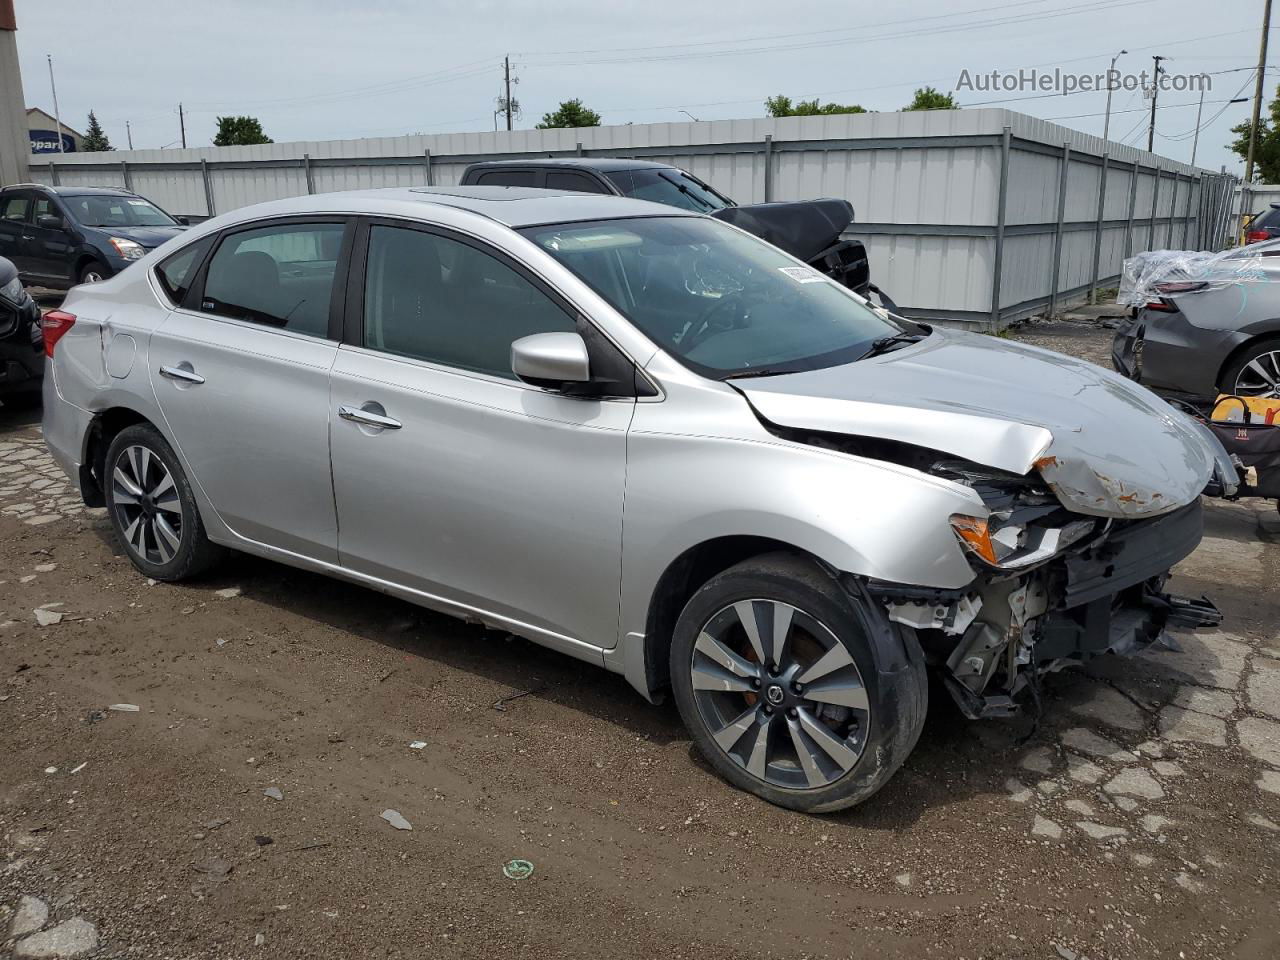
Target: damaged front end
{"points": [[1054, 589]]}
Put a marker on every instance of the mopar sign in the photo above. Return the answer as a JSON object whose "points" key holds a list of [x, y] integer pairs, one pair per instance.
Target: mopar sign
{"points": [[46, 141]]}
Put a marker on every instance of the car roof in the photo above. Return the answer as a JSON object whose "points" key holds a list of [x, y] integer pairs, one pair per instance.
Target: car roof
{"points": [[512, 206], [601, 164], [91, 191]]}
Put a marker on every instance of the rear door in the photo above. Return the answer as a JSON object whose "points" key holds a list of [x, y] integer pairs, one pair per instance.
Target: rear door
{"points": [[49, 247], [453, 478], [14, 207], [241, 372]]}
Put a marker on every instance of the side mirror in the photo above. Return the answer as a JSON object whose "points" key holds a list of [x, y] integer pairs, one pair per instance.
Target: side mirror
{"points": [[49, 222], [551, 361]]}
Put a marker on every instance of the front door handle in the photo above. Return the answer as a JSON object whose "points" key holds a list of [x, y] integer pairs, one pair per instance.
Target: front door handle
{"points": [[181, 372], [367, 418]]}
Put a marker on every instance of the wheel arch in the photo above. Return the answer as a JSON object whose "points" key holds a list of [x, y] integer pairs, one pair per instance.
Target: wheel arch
{"points": [[680, 580], [103, 428], [1270, 330]]}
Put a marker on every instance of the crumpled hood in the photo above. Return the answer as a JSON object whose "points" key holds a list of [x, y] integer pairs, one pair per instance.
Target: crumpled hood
{"points": [[149, 237], [1106, 446]]}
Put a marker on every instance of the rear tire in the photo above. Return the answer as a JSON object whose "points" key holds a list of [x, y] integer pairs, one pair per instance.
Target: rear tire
{"points": [[153, 508], [93, 272], [1243, 380], [823, 727]]}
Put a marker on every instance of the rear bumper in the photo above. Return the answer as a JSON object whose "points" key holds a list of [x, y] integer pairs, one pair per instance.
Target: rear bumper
{"points": [[66, 429]]}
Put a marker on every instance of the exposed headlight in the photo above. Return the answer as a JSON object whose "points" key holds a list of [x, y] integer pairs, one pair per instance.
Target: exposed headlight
{"points": [[12, 291], [1013, 546], [128, 249]]}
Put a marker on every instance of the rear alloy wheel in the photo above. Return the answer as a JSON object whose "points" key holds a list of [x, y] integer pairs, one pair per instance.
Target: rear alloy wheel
{"points": [[1257, 372], [152, 507], [774, 672]]}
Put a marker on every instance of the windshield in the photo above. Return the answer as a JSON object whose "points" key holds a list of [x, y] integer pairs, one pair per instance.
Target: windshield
{"points": [[721, 301], [103, 210], [668, 185]]}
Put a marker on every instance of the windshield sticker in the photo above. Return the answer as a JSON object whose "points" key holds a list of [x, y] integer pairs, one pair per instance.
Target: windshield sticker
{"points": [[802, 274], [136, 203]]}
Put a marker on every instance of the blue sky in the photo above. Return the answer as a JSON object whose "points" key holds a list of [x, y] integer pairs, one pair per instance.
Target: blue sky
{"points": [[322, 70]]}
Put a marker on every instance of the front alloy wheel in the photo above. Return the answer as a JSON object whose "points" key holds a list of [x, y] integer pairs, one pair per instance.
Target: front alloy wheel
{"points": [[780, 694], [794, 684]]}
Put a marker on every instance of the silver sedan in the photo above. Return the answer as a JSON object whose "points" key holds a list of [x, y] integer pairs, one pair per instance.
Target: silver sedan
{"points": [[643, 438]]}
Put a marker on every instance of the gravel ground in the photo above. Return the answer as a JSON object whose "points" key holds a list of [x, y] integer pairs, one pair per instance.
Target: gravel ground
{"points": [[237, 812]]}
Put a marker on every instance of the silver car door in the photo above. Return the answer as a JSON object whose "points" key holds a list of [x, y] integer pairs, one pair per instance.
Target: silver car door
{"points": [[486, 496], [243, 381]]}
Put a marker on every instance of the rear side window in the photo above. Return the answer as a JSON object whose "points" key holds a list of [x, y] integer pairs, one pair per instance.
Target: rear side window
{"points": [[177, 272], [13, 207], [573, 180], [279, 276], [1268, 218], [507, 178]]}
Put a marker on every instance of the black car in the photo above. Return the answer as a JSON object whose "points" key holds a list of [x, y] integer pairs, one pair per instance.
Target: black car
{"points": [[811, 230], [60, 236], [1264, 226], [21, 345]]}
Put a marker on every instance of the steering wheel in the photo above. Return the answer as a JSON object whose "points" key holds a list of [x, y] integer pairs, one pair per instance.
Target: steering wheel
{"points": [[710, 321]]}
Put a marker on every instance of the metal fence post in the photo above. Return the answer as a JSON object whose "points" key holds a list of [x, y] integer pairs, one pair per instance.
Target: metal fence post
{"points": [[768, 167], [306, 172], [1133, 203], [128, 177], [1155, 199], [1192, 184], [579, 151], [1173, 211], [208, 187], [1057, 233], [431, 174], [53, 173], [1002, 197], [1097, 241]]}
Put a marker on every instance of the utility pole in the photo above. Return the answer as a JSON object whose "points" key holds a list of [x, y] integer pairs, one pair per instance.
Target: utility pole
{"points": [[57, 117], [182, 123], [1155, 94], [128, 132], [1257, 93], [1106, 124], [506, 77]]}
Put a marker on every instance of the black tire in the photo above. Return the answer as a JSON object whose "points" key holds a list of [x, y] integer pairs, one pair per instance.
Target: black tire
{"points": [[93, 271], [889, 665], [194, 552], [1260, 348]]}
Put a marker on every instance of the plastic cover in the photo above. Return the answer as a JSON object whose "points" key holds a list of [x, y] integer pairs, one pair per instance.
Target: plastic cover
{"points": [[1161, 273]]}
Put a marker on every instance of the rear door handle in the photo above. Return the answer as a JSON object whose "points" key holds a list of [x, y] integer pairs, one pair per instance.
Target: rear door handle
{"points": [[368, 418], [181, 372]]}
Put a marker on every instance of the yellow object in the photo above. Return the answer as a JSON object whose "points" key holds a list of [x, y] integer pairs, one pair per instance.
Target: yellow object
{"points": [[1258, 408]]}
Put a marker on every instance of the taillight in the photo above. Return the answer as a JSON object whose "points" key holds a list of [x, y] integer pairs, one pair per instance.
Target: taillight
{"points": [[53, 325], [1256, 236], [1161, 306]]}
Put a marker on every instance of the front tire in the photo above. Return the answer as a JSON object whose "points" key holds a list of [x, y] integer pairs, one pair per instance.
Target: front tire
{"points": [[776, 675], [94, 271], [152, 507]]}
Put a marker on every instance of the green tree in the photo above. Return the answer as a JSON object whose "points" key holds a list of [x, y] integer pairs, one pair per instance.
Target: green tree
{"points": [[927, 98], [1266, 152], [95, 138], [239, 132], [570, 113], [781, 106]]}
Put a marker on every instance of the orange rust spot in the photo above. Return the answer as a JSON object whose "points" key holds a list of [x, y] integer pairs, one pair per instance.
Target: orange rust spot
{"points": [[1045, 463]]}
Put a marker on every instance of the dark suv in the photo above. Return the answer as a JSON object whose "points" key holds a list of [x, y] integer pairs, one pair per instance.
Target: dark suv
{"points": [[61, 236], [1264, 225]]}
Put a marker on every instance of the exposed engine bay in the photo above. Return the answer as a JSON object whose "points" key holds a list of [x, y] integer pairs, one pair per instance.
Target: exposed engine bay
{"points": [[1053, 588]]}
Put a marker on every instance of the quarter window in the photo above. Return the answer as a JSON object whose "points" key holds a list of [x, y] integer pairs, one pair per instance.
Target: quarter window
{"points": [[436, 299], [280, 276], [506, 178], [177, 271]]}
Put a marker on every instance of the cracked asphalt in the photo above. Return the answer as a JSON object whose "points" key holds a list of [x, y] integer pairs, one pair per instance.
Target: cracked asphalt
{"points": [[239, 810]]}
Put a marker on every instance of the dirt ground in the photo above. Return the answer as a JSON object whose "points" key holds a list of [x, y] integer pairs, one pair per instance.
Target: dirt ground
{"points": [[1140, 820]]}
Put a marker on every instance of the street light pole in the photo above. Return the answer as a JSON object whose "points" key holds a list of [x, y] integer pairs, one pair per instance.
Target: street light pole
{"points": [[57, 117], [1106, 124]]}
